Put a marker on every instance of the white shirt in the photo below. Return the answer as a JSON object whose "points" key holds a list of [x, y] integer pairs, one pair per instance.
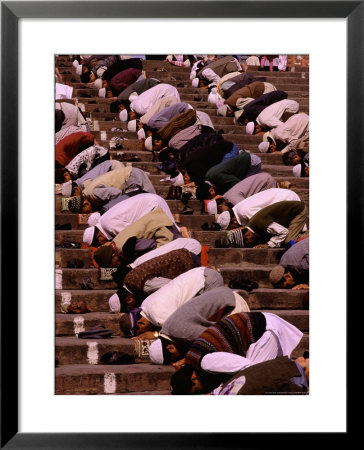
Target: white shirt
{"points": [[246, 209], [271, 115], [147, 99], [129, 211], [162, 303]]}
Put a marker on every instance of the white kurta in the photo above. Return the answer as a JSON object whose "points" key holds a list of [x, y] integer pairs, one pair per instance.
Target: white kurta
{"points": [[290, 131], [190, 244], [63, 91], [246, 209], [271, 115], [162, 303], [146, 100], [129, 211]]}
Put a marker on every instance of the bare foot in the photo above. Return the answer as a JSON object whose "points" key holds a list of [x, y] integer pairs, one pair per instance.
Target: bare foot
{"points": [[184, 232]]}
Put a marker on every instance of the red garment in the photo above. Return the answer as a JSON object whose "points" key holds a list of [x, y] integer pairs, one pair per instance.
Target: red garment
{"points": [[205, 255], [71, 145], [123, 79]]}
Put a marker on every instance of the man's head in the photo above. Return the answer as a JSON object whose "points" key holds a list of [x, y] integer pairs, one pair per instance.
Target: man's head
{"points": [[143, 325], [132, 115], [188, 380], [281, 278], [87, 77], [87, 207], [250, 238], [62, 176], [105, 256]]}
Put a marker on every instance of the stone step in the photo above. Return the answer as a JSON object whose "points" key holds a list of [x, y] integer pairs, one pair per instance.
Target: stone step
{"points": [[72, 324], [193, 221], [259, 299], [217, 256], [84, 379]]}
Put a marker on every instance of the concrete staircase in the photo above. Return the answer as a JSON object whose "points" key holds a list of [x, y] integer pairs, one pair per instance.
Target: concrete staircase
{"points": [[79, 370]]}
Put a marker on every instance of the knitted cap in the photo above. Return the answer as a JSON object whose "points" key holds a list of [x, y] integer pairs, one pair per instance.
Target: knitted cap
{"points": [[114, 303], [88, 235], [132, 125], [103, 255], [276, 274], [249, 128], [75, 204]]}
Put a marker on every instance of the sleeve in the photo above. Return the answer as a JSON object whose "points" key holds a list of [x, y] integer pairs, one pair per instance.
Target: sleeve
{"points": [[163, 236], [222, 362], [279, 234], [106, 193]]}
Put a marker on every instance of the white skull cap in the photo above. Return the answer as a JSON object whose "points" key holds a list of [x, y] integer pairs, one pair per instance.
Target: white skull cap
{"points": [[98, 83], [212, 207], [123, 115], [132, 124], [88, 235], [263, 147], [79, 69], [102, 92], [114, 303], [224, 220], [249, 128], [156, 352], [148, 144]]}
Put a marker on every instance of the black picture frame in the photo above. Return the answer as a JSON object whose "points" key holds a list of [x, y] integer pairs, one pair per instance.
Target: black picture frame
{"points": [[11, 12]]}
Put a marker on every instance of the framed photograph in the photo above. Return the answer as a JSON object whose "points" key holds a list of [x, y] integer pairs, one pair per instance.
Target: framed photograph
{"points": [[33, 33]]}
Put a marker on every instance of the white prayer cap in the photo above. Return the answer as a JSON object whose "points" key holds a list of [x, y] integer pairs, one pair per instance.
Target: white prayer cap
{"points": [[187, 63], [195, 82], [114, 303], [224, 220], [266, 136], [67, 189], [148, 143], [212, 207], [88, 235], [123, 115], [132, 125], [93, 219], [178, 180], [141, 134], [156, 352], [263, 147], [98, 83], [102, 92], [193, 74], [297, 170], [75, 63], [249, 128], [132, 96], [212, 98], [222, 111], [79, 69]]}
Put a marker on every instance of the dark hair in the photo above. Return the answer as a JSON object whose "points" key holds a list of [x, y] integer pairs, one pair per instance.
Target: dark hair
{"points": [[119, 275], [202, 192], [59, 119], [114, 106], [85, 77], [181, 383], [288, 157], [59, 179], [122, 294], [181, 345], [210, 381]]}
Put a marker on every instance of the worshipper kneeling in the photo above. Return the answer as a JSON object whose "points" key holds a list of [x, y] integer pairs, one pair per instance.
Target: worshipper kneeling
{"points": [[231, 345], [190, 320], [292, 272], [157, 307]]}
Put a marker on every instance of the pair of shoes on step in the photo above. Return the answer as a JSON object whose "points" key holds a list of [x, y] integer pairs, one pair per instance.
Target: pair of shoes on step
{"points": [[187, 211], [244, 284], [174, 193]]}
